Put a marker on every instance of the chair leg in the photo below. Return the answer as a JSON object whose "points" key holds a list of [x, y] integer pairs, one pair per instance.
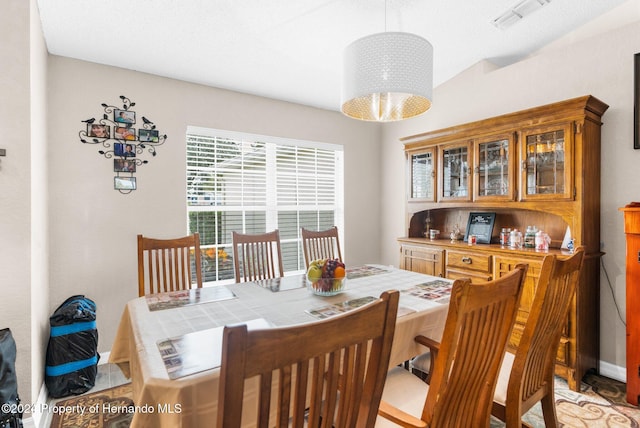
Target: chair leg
{"points": [[549, 410], [498, 411], [513, 416]]}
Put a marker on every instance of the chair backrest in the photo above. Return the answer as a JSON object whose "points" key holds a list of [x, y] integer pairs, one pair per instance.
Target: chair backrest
{"points": [[168, 264], [478, 326], [534, 362], [334, 368], [323, 244], [257, 257]]}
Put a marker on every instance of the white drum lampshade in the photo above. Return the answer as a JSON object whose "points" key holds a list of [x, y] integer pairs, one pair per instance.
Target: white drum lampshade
{"points": [[387, 77]]}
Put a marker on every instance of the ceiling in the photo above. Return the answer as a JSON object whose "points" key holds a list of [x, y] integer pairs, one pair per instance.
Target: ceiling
{"points": [[291, 50]]}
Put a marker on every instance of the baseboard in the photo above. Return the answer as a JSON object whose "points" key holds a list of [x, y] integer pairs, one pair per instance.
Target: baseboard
{"points": [[27, 423], [37, 414], [104, 358], [612, 371]]}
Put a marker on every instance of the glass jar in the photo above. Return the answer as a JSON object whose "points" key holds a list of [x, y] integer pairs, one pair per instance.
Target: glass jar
{"points": [[515, 239], [530, 237], [504, 236], [542, 241]]}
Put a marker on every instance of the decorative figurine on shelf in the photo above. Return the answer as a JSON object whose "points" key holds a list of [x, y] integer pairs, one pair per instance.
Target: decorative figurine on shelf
{"points": [[455, 234], [427, 224]]}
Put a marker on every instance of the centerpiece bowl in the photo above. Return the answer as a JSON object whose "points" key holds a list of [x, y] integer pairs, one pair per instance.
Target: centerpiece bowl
{"points": [[326, 286]]}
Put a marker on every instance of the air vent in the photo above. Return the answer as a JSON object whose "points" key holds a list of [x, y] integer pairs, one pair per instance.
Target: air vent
{"points": [[517, 12]]}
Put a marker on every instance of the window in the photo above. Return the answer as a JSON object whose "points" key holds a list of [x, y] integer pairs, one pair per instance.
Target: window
{"points": [[254, 184]]}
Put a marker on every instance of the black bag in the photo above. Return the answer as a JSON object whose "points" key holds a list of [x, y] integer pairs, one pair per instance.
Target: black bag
{"points": [[10, 417], [72, 353]]}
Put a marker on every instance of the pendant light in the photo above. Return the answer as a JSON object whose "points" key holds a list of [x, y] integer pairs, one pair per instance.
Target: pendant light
{"points": [[387, 76]]}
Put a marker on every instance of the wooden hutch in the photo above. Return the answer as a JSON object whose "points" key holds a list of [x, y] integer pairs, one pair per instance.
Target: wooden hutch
{"points": [[537, 167], [632, 231]]}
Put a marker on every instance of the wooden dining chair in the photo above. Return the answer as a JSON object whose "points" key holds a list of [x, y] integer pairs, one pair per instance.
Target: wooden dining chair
{"points": [[257, 257], [323, 244], [526, 376], [165, 264], [329, 373], [479, 323]]}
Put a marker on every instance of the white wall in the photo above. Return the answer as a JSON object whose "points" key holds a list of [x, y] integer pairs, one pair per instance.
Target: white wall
{"points": [[600, 65], [94, 228], [15, 183], [39, 204], [23, 191]]}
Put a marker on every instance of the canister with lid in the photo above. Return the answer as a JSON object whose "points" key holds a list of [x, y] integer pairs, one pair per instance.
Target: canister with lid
{"points": [[504, 236], [530, 237], [515, 239]]}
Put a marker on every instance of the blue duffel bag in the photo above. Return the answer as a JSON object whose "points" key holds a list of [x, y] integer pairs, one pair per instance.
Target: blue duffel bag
{"points": [[72, 353]]}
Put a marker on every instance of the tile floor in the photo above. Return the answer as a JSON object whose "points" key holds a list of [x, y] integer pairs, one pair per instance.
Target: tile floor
{"points": [[109, 375]]}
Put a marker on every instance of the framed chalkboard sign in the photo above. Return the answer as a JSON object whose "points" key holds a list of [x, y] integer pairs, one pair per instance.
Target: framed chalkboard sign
{"points": [[480, 225]]}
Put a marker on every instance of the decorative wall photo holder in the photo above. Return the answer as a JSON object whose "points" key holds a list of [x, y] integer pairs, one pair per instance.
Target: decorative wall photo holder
{"points": [[118, 139], [124, 165], [124, 184]]}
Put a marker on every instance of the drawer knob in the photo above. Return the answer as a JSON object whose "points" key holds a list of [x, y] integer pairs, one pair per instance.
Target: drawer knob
{"points": [[466, 260]]}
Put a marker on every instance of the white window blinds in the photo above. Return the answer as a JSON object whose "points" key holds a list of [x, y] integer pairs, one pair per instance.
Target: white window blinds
{"points": [[254, 184]]}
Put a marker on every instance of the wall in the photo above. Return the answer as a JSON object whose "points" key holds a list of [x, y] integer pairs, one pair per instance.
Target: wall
{"points": [[94, 228], [39, 204], [600, 65], [15, 183]]}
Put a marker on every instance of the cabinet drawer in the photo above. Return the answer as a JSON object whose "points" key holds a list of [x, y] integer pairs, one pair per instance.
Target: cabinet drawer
{"points": [[474, 276], [467, 261]]}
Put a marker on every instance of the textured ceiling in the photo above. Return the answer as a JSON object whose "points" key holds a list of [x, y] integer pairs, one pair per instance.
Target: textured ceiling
{"points": [[292, 50]]}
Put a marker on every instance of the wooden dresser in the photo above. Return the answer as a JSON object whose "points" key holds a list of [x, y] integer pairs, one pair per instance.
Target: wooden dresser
{"points": [[538, 167]]}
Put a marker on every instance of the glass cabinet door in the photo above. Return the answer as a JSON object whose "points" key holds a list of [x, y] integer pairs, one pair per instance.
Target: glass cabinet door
{"points": [[455, 177], [422, 167], [494, 170], [546, 165]]}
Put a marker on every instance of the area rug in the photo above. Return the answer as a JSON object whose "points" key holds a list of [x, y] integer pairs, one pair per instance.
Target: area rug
{"points": [[109, 408], [601, 403]]}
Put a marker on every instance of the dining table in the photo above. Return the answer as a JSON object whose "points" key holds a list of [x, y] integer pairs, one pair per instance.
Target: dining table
{"points": [[169, 344]]}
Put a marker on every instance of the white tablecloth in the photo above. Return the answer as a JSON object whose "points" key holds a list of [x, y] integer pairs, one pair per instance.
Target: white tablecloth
{"points": [[191, 401]]}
